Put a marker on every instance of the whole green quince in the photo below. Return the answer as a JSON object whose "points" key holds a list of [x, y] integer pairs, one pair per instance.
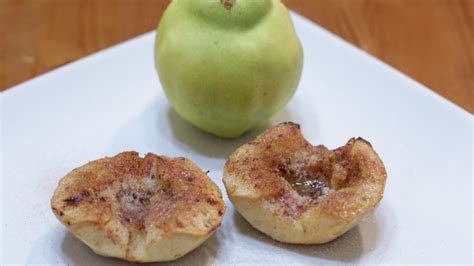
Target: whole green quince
{"points": [[227, 66]]}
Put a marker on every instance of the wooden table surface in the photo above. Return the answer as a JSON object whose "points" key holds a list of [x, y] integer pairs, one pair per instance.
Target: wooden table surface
{"points": [[430, 40]]}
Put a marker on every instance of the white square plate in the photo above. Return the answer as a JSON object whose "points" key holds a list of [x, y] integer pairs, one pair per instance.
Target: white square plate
{"points": [[112, 101]]}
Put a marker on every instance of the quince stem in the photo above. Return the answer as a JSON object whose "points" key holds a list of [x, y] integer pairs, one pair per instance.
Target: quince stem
{"points": [[228, 3]]}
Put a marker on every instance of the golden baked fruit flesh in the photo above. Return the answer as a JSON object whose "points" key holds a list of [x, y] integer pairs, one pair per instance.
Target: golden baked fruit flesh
{"points": [[298, 193], [147, 209]]}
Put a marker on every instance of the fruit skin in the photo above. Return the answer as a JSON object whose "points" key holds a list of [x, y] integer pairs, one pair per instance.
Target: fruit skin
{"points": [[227, 69]]}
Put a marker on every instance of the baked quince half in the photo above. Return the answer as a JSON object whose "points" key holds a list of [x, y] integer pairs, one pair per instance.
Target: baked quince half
{"points": [[147, 209], [303, 194]]}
